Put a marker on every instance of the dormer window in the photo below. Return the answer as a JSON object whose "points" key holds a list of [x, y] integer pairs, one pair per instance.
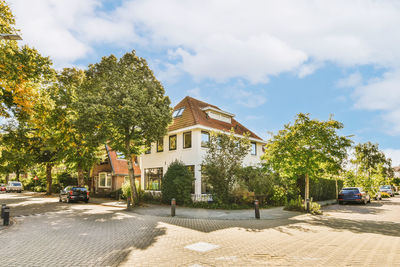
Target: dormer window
{"points": [[178, 112], [218, 114]]}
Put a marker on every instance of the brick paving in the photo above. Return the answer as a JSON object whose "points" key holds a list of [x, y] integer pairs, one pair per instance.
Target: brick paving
{"points": [[82, 234]]}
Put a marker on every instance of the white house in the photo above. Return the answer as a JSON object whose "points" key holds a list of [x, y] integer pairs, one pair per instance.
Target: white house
{"points": [[396, 171], [187, 137]]}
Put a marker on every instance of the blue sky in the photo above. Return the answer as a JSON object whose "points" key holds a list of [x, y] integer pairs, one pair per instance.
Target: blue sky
{"points": [[264, 61]]}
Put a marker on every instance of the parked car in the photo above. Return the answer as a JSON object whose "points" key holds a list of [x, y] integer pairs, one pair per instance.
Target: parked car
{"points": [[74, 193], [14, 186], [3, 188], [387, 189], [353, 194]]}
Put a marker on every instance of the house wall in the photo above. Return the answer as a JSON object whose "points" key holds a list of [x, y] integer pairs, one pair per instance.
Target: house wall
{"points": [[189, 156]]}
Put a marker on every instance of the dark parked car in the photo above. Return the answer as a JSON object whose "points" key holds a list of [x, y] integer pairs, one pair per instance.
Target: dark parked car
{"points": [[74, 193], [354, 194]]}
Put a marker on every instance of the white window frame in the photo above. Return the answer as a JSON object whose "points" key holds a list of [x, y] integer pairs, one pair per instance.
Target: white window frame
{"points": [[108, 177], [255, 149]]}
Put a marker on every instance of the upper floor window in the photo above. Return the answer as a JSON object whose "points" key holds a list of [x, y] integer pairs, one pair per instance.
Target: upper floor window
{"points": [[172, 142], [160, 145], [187, 140], [205, 138], [178, 112], [253, 148]]}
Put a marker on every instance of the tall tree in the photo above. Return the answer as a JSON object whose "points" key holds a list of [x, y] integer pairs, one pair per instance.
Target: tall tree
{"points": [[80, 139], [128, 103], [306, 146], [223, 162], [22, 70]]}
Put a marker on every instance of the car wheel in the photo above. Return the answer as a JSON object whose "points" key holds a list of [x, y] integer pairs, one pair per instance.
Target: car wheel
{"points": [[59, 200], [340, 202], [68, 200]]}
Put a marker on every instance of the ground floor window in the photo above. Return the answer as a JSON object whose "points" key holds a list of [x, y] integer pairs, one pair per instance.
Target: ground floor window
{"points": [[152, 178], [205, 186], [105, 179]]}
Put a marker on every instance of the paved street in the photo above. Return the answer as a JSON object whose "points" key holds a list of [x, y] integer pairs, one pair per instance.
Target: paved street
{"points": [[48, 233]]}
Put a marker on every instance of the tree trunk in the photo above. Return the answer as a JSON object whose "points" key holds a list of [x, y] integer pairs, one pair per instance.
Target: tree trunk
{"points": [[7, 177], [49, 179], [81, 177], [337, 189], [307, 191], [131, 172], [17, 174]]}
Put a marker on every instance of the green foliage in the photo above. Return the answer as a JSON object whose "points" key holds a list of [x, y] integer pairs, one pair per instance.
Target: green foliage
{"points": [[223, 206], [385, 195], [66, 179], [321, 188], [128, 103], [223, 162], [126, 190], [370, 169], [298, 205], [22, 70], [177, 183]]}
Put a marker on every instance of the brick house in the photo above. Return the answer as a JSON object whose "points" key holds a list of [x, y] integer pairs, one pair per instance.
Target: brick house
{"points": [[109, 175]]}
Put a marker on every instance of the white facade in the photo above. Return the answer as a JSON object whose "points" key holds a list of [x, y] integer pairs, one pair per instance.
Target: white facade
{"points": [[189, 156]]}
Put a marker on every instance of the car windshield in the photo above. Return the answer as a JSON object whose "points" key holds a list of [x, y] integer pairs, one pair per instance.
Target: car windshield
{"points": [[385, 187], [16, 184]]}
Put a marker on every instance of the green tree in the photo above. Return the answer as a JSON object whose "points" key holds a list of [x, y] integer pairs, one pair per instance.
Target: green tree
{"points": [[305, 147], [223, 162], [371, 167], [177, 183], [128, 103], [78, 136], [15, 155], [22, 70]]}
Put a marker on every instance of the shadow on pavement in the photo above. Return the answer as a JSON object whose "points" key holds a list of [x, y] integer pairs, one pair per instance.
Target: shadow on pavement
{"points": [[358, 226]]}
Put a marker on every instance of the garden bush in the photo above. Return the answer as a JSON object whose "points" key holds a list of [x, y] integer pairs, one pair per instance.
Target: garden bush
{"points": [[177, 183], [66, 179], [298, 205], [385, 195]]}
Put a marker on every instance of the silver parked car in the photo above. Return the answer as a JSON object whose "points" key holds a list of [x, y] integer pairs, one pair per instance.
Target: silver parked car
{"points": [[14, 186]]}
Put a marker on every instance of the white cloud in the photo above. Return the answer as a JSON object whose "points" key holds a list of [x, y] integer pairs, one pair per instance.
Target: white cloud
{"points": [[249, 99], [383, 95], [394, 154], [225, 39], [353, 80]]}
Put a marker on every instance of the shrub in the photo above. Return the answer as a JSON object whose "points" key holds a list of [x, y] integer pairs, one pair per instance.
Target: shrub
{"points": [[39, 188], [66, 179], [177, 183], [126, 190], [55, 188], [385, 195], [298, 205]]}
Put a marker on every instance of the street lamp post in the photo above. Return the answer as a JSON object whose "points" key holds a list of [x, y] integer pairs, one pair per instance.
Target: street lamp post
{"points": [[8, 36]]}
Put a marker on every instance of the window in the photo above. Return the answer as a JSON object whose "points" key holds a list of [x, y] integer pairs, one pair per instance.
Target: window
{"points": [[172, 142], [187, 140], [120, 155], [205, 139], [160, 145], [152, 178], [104, 179], [205, 186], [178, 112], [253, 148]]}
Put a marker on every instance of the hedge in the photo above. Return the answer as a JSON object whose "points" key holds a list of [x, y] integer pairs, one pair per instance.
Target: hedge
{"points": [[320, 188]]}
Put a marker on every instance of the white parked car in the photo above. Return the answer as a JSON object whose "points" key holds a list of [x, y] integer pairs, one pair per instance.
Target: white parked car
{"points": [[14, 186]]}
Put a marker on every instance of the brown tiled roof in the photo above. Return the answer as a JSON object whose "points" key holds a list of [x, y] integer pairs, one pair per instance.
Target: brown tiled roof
{"points": [[194, 115], [396, 169], [120, 166]]}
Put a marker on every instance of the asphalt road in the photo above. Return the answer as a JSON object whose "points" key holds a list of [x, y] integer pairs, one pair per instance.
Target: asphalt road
{"points": [[48, 233]]}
